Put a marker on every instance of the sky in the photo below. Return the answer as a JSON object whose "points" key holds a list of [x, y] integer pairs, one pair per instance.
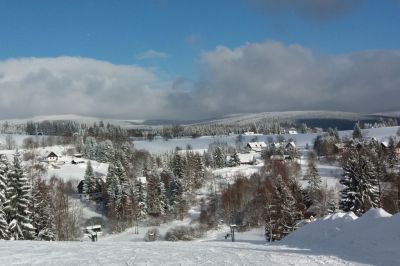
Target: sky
{"points": [[179, 59]]}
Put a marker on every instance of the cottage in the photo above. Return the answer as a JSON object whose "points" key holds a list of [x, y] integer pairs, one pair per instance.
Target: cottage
{"points": [[339, 148], [256, 146], [385, 145], [52, 157], [291, 145], [95, 195], [292, 131]]}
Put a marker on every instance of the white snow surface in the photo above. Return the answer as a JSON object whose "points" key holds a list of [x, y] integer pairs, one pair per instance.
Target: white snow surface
{"points": [[373, 238], [338, 239]]}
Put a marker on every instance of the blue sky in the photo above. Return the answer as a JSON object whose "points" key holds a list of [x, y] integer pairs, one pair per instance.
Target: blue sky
{"points": [[118, 31], [171, 37]]}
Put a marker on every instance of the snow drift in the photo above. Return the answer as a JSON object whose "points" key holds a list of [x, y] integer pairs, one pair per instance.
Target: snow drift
{"points": [[372, 238]]}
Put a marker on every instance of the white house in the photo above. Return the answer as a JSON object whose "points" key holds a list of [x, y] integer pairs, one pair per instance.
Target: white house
{"points": [[52, 157], [291, 145], [256, 146]]}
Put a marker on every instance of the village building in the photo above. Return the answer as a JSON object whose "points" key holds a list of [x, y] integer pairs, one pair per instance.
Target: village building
{"points": [[290, 145], [256, 146], [52, 157]]}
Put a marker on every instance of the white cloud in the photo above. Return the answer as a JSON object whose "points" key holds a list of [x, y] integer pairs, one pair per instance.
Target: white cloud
{"points": [[273, 77], [152, 54], [36, 86], [256, 77]]}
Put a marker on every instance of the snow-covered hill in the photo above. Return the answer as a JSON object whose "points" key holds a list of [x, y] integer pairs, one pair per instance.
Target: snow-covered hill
{"points": [[238, 119]]}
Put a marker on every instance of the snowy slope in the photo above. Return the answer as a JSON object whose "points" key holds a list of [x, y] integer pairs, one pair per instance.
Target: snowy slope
{"points": [[156, 253], [339, 239], [372, 238]]}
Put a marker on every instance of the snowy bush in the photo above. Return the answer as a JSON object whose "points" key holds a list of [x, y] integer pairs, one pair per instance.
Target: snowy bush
{"points": [[152, 235], [185, 233]]}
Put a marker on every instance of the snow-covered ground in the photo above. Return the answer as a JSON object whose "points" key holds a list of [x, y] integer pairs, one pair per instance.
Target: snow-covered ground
{"points": [[159, 145], [339, 239]]}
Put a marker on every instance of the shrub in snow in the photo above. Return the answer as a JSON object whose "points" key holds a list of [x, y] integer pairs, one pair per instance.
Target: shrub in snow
{"points": [[152, 235], [185, 233]]}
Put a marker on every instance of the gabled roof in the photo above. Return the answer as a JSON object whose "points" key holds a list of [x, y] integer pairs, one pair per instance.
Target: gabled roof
{"points": [[291, 144], [257, 145], [52, 154]]}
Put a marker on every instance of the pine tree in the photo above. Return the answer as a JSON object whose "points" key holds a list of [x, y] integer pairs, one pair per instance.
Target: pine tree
{"points": [[234, 160], [42, 216], [17, 204], [178, 166], [105, 151], [140, 195], [288, 209], [89, 184], [391, 153], [313, 191], [357, 134], [154, 206], [219, 158], [361, 190], [112, 184], [4, 170]]}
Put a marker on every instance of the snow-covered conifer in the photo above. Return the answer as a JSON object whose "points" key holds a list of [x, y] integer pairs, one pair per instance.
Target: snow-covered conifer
{"points": [[17, 204], [4, 170], [89, 185], [361, 187]]}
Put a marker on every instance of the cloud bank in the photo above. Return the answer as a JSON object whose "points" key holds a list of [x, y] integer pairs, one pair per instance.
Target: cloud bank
{"points": [[256, 77], [64, 85]]}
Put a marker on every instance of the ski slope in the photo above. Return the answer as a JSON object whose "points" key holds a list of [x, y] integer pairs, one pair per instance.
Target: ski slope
{"points": [[339, 239], [157, 253]]}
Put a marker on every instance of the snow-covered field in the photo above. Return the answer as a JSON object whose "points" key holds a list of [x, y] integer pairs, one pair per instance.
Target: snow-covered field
{"points": [[340, 239], [159, 145]]}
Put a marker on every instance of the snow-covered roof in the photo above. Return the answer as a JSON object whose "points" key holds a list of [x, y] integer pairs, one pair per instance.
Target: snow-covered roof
{"points": [[52, 154], [257, 145], [91, 227], [291, 144], [142, 179]]}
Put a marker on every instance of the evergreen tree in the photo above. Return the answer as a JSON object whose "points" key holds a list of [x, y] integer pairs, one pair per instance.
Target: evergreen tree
{"points": [[234, 160], [140, 196], [4, 170], [219, 158], [17, 204], [105, 151], [391, 153], [112, 184], [154, 206], [178, 165], [357, 134], [89, 184], [361, 190], [42, 216], [289, 215], [313, 191]]}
